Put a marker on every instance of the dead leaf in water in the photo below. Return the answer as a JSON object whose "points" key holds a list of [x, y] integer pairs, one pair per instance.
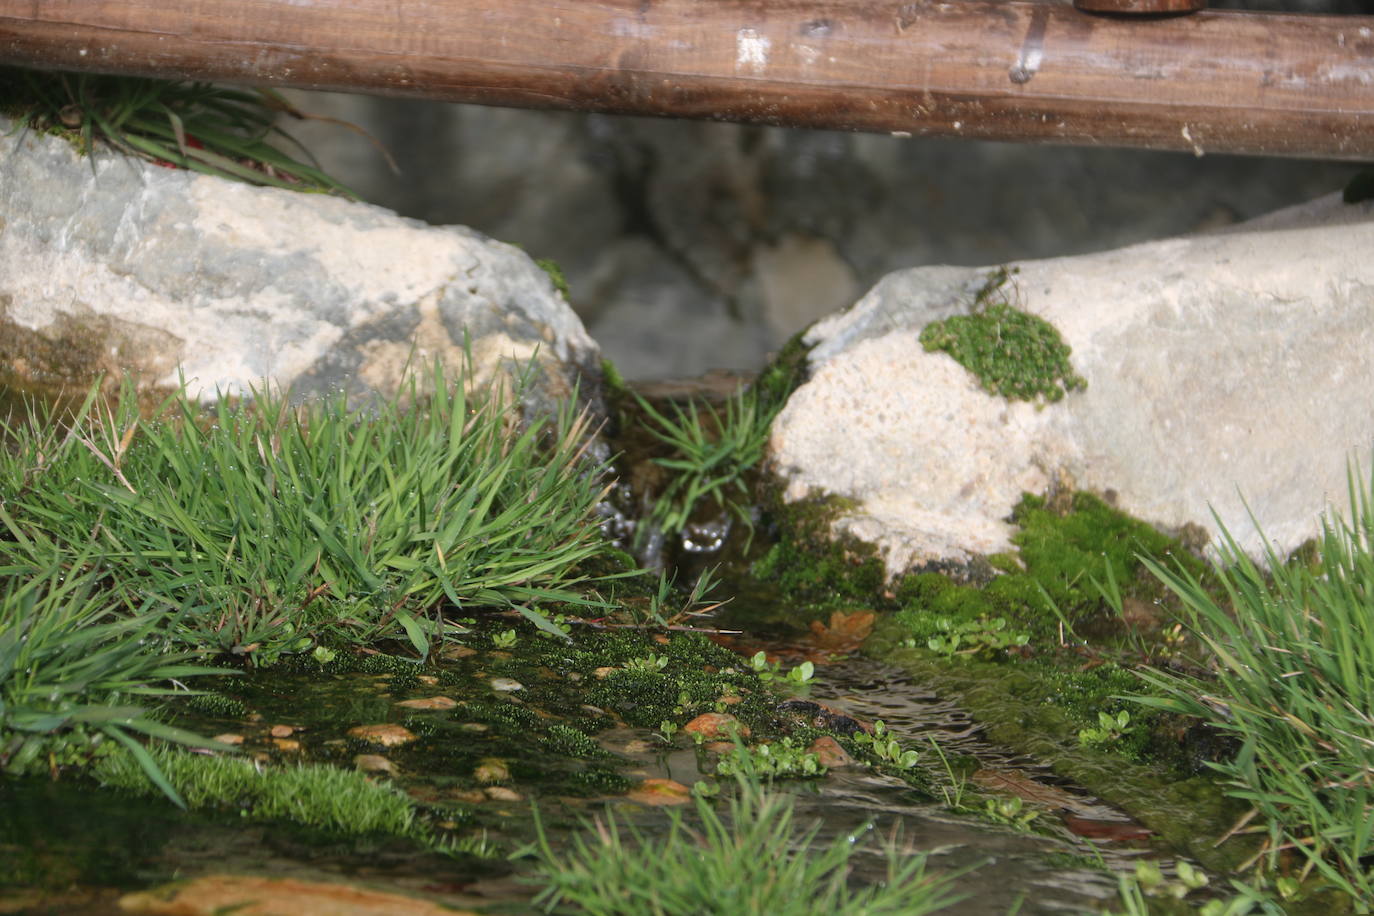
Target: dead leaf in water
{"points": [[1024, 787], [845, 633], [660, 792], [252, 896], [1107, 831]]}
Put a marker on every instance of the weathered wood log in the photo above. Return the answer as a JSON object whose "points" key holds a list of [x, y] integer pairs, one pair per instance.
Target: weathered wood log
{"points": [[1041, 72]]}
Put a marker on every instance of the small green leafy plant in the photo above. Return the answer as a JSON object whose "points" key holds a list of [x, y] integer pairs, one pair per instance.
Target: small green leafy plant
{"points": [[780, 759], [1108, 731], [1013, 354], [771, 673], [1011, 812], [982, 637], [885, 748]]}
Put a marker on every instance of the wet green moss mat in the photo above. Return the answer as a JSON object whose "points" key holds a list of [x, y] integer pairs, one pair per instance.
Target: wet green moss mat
{"points": [[1019, 710]]}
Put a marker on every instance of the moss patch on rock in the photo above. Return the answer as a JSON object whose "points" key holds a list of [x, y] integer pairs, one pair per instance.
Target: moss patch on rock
{"points": [[1014, 354], [1065, 560]]}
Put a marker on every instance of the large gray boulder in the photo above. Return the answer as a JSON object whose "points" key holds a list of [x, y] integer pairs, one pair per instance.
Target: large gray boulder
{"points": [[1224, 370], [111, 264], [692, 245]]}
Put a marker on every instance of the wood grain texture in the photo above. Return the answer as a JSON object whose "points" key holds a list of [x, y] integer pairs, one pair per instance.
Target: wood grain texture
{"points": [[1040, 72]]}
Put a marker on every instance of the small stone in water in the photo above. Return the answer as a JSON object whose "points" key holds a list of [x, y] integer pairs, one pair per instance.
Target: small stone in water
{"points": [[373, 763], [282, 731], [491, 769], [287, 744], [506, 684], [229, 738], [384, 734], [429, 703], [716, 725], [475, 727], [501, 793], [830, 753]]}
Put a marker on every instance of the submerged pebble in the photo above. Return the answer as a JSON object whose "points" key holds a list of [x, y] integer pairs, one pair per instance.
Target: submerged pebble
{"points": [[429, 703], [374, 763], [384, 734]]}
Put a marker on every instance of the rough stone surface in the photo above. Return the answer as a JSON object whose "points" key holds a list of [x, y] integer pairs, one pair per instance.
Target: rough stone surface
{"points": [[1222, 369], [114, 264], [693, 245]]}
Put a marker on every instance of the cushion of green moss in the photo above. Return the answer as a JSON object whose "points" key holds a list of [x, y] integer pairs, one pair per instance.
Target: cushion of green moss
{"points": [[1188, 813]]}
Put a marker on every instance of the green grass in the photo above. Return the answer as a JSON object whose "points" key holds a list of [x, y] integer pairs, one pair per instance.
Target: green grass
{"points": [[77, 666], [274, 528], [712, 450], [1293, 652], [757, 859], [219, 131]]}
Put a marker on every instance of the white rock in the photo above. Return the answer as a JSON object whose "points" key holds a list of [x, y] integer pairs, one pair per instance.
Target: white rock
{"points": [[114, 264], [1222, 369]]}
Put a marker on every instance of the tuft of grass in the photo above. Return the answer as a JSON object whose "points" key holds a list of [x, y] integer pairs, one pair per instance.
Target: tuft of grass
{"points": [[711, 452], [220, 131], [76, 666], [1013, 354], [1293, 651], [276, 528], [756, 860]]}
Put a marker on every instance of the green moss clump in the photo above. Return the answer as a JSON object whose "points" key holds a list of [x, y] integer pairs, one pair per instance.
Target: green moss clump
{"points": [[550, 267], [1063, 557], [340, 801], [566, 740], [808, 563], [1014, 354], [218, 705], [595, 781], [786, 373]]}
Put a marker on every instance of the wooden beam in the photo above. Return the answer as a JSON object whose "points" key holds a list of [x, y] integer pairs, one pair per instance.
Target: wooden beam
{"points": [[1026, 71]]}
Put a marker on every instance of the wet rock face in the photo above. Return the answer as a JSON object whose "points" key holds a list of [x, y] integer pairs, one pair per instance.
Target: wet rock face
{"points": [[109, 264], [1222, 369]]}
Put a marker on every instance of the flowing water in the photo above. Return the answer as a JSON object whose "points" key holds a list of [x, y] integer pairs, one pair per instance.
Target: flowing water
{"points": [[86, 846]]}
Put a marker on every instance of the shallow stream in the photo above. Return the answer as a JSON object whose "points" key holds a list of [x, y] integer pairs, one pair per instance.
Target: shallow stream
{"points": [[74, 849]]}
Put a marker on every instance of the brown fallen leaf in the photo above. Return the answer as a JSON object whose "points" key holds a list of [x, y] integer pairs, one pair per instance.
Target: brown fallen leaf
{"points": [[660, 792], [845, 633], [246, 895], [1024, 787], [1107, 831]]}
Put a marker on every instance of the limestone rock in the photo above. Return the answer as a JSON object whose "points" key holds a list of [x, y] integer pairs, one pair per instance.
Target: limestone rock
{"points": [[693, 245], [1223, 370], [111, 264]]}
